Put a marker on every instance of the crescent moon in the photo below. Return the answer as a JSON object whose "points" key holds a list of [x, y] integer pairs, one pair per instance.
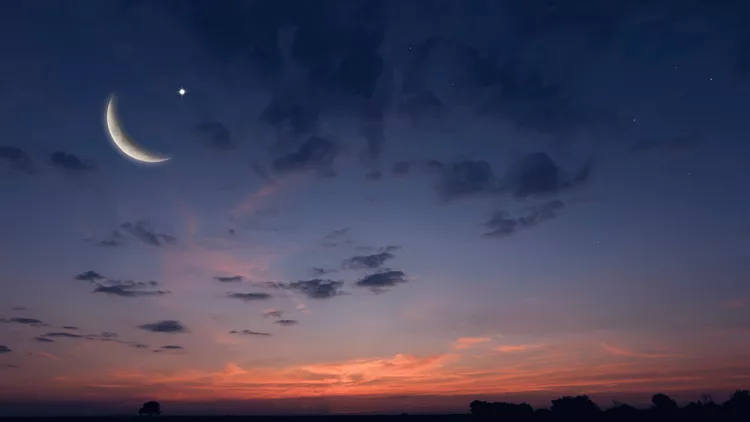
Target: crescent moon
{"points": [[123, 142]]}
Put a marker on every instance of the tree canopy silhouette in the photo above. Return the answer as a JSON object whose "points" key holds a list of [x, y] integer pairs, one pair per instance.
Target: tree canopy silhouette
{"points": [[150, 408], [582, 408]]}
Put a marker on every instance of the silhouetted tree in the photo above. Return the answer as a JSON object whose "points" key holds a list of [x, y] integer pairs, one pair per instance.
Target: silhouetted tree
{"points": [[738, 405], [578, 407], [620, 411], [663, 403], [505, 411], [150, 408]]}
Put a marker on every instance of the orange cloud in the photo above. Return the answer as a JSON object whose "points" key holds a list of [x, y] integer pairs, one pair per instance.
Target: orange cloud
{"points": [[517, 348], [618, 351], [467, 342]]}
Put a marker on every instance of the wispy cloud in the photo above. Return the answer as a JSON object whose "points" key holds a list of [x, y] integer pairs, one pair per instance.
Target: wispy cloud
{"points": [[619, 351], [517, 348], [468, 342]]}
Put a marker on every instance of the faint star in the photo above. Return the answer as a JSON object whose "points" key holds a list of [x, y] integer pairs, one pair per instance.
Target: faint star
{"points": [[182, 92], [710, 79]]}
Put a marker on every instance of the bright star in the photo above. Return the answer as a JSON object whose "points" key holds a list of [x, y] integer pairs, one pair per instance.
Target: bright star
{"points": [[182, 92]]}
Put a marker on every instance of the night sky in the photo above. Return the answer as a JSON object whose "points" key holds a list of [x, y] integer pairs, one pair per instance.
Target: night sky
{"points": [[373, 204]]}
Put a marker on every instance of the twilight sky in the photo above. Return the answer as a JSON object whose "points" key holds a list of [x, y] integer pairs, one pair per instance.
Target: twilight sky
{"points": [[372, 204]]}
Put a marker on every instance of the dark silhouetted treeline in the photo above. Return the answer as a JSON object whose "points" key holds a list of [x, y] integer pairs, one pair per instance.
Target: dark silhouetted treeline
{"points": [[582, 408]]}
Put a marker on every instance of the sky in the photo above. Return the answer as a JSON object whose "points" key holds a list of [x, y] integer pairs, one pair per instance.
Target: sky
{"points": [[372, 206]]}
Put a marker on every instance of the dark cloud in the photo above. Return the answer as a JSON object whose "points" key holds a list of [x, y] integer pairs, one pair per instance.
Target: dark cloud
{"points": [[90, 276], [5, 349], [503, 225], [379, 281], [272, 284], [315, 153], [367, 261], [249, 333], [537, 174], [247, 297], [401, 168], [214, 134], [17, 159], [115, 238], [290, 114], [273, 314], [165, 326], [286, 322], [19, 308], [128, 288], [465, 178], [229, 279], [25, 321], [338, 233], [105, 336], [62, 335], [374, 175], [69, 327], [319, 271], [318, 288], [121, 288], [172, 347], [680, 142], [69, 162], [143, 231]]}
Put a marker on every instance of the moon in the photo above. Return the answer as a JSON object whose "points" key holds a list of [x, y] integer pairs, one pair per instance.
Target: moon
{"points": [[123, 142]]}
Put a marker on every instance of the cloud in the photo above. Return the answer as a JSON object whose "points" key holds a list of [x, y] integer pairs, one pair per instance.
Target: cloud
{"points": [[90, 275], [618, 351], [286, 322], [465, 178], [247, 297], [121, 288], [463, 343], [378, 281], [17, 159], [172, 347], [401, 168], [319, 271], [502, 225], [114, 239], [273, 313], [19, 308], [338, 233], [367, 261], [5, 349], [69, 162], [143, 231], [229, 279], [318, 288], [248, 333], [289, 113], [537, 174], [128, 288], [679, 142], [374, 175], [315, 153], [517, 348], [165, 326], [25, 321], [214, 134], [62, 335], [69, 327], [106, 336]]}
